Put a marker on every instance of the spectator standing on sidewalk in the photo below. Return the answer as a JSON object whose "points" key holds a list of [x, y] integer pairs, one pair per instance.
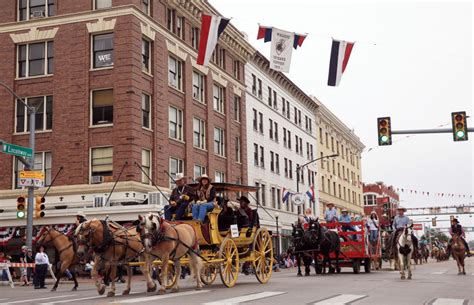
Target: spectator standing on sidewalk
{"points": [[41, 268]]}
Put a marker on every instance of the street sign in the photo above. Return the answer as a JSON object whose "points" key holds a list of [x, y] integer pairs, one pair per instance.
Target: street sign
{"points": [[31, 178], [298, 199], [16, 150], [418, 226]]}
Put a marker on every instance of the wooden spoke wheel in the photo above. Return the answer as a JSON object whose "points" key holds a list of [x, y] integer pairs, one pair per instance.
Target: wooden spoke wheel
{"points": [[209, 274], [263, 252], [172, 276], [229, 268]]}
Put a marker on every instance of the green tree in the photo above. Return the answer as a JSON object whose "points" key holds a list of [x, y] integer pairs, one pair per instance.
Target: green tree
{"points": [[435, 233]]}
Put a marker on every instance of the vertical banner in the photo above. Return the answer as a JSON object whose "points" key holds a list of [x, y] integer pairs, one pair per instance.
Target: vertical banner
{"points": [[281, 49]]}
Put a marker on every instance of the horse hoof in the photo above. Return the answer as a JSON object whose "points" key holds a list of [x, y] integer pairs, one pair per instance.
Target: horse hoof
{"points": [[126, 292], [198, 287], [161, 291], [464, 273], [409, 277], [306, 274], [402, 277], [299, 274], [110, 294], [152, 289], [175, 289], [73, 289], [101, 291], [53, 289]]}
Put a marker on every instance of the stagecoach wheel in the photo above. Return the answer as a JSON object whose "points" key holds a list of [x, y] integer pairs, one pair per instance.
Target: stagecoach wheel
{"points": [[172, 278], [367, 265], [263, 251], [209, 274], [356, 266], [229, 268]]}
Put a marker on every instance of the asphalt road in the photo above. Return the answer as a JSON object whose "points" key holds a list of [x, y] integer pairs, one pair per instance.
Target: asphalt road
{"points": [[432, 283]]}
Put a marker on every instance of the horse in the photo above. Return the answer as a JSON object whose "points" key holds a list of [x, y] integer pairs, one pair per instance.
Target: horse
{"points": [[404, 249], [417, 256], [300, 248], [424, 252], [327, 242], [66, 249], [112, 245], [170, 241], [458, 251]]}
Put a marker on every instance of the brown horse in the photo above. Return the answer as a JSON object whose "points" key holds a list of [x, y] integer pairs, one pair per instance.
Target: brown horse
{"points": [[458, 250], [112, 245], [169, 241], [66, 249]]}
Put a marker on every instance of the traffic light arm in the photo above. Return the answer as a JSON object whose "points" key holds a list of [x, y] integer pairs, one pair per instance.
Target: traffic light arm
{"points": [[421, 131]]}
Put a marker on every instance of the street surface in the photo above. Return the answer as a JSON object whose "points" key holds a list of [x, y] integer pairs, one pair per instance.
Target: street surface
{"points": [[433, 283]]}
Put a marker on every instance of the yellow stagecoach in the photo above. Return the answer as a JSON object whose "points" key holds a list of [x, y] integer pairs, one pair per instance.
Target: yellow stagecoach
{"points": [[226, 243]]}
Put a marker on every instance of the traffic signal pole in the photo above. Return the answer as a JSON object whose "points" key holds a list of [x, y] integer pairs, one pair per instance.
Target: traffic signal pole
{"points": [[422, 131], [28, 166]]}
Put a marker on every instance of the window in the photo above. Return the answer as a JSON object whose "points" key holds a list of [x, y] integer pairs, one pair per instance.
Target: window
{"points": [[146, 51], [254, 84], [321, 135], [255, 121], [275, 103], [171, 20], [146, 111], [299, 117], [288, 115], [218, 93], [269, 96], [263, 195], [262, 157], [236, 68], [296, 115], [289, 140], [339, 188], [284, 137], [272, 161], [327, 140], [237, 108], [260, 125], [275, 130], [337, 147], [255, 154], [195, 38], [176, 123], [42, 162], [297, 146], [198, 87], [102, 162], [219, 142], [98, 4], [220, 177], [180, 27], [102, 107], [146, 166], [290, 169], [103, 50], [286, 167], [146, 6], [199, 171], [283, 106], [35, 59], [270, 123], [310, 125], [277, 163], [44, 114], [34, 9], [322, 184], [176, 166], [221, 58], [238, 153], [199, 131], [259, 92], [278, 198], [322, 161], [175, 73], [273, 195], [332, 144], [333, 167]]}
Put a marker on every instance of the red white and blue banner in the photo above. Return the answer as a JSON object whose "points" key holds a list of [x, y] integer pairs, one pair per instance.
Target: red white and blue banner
{"points": [[310, 194], [340, 53], [282, 46], [211, 28], [286, 195]]}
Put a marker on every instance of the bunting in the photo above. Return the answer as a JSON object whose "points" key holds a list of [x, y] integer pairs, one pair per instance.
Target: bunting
{"points": [[211, 28]]}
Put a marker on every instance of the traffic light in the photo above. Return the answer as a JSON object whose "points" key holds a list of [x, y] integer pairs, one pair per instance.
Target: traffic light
{"points": [[433, 222], [39, 207], [384, 128], [459, 126], [21, 207]]}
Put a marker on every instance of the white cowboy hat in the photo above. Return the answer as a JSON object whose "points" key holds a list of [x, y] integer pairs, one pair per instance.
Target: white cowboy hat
{"points": [[81, 213], [344, 210], [179, 176], [402, 208], [204, 176], [24, 248]]}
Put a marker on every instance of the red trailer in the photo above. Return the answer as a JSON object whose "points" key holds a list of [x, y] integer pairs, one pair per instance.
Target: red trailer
{"points": [[356, 249]]}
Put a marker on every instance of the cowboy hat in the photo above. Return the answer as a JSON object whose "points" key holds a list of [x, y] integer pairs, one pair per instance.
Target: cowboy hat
{"points": [[81, 213], [373, 212], [455, 220], [24, 248], [330, 203], [402, 208], [344, 210], [179, 176], [244, 199], [204, 176]]}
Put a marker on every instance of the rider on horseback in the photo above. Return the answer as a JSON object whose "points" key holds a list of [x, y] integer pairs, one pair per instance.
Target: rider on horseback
{"points": [[456, 228], [400, 222]]}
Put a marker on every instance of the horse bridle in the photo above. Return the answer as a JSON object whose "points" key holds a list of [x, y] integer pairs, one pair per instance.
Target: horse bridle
{"points": [[84, 241]]}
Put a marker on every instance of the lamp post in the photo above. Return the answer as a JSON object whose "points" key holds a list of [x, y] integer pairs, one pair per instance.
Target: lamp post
{"points": [[277, 215], [29, 165]]}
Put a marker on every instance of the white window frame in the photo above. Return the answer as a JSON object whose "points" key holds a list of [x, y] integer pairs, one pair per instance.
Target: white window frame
{"points": [[26, 115], [175, 76], [28, 9], [27, 60], [147, 68], [199, 85], [200, 168], [92, 109], [238, 150], [90, 160], [218, 96], [94, 2], [146, 168], [195, 36], [219, 176], [180, 169], [19, 166], [237, 104], [200, 133], [146, 98], [179, 123], [256, 159], [92, 59], [180, 30], [219, 142]]}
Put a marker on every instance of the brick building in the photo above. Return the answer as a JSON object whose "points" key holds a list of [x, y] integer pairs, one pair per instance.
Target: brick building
{"points": [[117, 84], [380, 198]]}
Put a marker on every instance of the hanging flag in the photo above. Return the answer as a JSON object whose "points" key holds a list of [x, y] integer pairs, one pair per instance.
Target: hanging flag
{"points": [[264, 32], [281, 50], [310, 194], [286, 195], [298, 40], [211, 28], [340, 53]]}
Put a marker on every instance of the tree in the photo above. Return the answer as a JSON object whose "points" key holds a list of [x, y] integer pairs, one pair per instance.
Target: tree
{"points": [[435, 234]]}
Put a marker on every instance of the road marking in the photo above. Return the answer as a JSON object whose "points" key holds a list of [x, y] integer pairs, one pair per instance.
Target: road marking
{"points": [[246, 298], [159, 297], [38, 299], [341, 299], [442, 301], [80, 299], [442, 271]]}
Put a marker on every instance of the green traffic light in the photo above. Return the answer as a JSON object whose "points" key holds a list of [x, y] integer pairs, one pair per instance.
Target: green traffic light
{"points": [[460, 134], [20, 214], [384, 139]]}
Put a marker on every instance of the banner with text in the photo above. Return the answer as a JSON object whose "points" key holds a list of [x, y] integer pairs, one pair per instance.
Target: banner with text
{"points": [[281, 49]]}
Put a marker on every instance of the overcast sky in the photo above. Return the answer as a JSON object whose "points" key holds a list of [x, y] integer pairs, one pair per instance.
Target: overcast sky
{"points": [[419, 71]]}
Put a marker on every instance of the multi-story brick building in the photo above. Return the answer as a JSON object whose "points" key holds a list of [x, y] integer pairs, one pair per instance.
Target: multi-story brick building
{"points": [[339, 178], [117, 84], [281, 136], [380, 198]]}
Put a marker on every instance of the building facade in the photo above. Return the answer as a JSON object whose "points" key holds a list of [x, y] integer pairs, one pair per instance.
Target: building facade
{"points": [[281, 136], [382, 199], [120, 98], [339, 178]]}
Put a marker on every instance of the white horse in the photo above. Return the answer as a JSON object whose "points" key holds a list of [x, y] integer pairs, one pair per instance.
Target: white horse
{"points": [[404, 247]]}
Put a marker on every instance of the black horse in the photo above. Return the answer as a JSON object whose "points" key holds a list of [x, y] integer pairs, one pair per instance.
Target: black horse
{"points": [[326, 242], [300, 249]]}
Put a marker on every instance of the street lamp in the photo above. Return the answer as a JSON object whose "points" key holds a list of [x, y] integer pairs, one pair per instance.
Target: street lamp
{"points": [[277, 215]]}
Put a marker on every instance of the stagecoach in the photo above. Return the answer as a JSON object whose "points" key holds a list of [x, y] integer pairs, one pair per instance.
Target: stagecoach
{"points": [[226, 242]]}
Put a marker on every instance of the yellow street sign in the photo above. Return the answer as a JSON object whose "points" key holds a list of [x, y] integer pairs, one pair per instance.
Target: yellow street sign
{"points": [[32, 175]]}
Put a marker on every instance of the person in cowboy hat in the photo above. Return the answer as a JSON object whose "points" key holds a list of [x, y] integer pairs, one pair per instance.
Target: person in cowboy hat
{"points": [[245, 209], [180, 198], [330, 215], [80, 218], [306, 218], [345, 218], [456, 228], [373, 226], [400, 222], [206, 198]]}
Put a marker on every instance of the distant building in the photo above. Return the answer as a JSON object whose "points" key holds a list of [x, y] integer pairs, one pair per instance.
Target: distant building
{"points": [[380, 198]]}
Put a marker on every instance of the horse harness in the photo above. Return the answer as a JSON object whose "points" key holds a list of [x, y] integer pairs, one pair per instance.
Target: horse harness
{"points": [[59, 235]]}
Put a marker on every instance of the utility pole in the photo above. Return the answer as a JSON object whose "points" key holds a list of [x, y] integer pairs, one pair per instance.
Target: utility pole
{"points": [[29, 165]]}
